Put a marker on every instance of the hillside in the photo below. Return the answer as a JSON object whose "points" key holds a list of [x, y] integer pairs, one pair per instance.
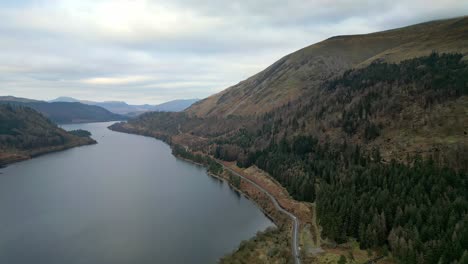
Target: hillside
{"points": [[66, 112], [302, 72], [25, 133], [381, 152], [416, 107], [374, 131], [133, 110]]}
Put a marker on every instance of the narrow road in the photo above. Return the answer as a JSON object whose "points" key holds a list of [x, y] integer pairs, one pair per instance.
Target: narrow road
{"points": [[295, 243]]}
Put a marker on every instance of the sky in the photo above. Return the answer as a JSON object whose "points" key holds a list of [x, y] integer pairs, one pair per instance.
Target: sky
{"points": [[144, 51]]}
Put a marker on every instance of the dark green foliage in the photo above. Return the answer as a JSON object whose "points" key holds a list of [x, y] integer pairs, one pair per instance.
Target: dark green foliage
{"points": [[287, 163], [234, 180], [242, 139], [371, 131], [161, 121], [426, 80], [22, 128], [182, 152], [80, 133], [213, 166], [10, 127], [228, 152], [303, 145], [342, 260], [445, 74], [413, 209]]}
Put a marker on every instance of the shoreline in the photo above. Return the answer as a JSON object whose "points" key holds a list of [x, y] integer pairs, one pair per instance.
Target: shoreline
{"points": [[60, 124], [247, 196], [277, 222], [19, 157], [262, 200]]}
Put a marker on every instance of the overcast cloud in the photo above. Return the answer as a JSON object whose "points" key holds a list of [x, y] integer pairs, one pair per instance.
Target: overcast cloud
{"points": [[154, 51]]}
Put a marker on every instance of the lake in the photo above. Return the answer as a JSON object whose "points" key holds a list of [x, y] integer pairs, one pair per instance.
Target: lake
{"points": [[123, 200]]}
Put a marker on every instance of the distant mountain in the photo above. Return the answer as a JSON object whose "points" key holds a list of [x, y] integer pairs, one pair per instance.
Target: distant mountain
{"points": [[17, 99], [301, 73], [117, 107], [25, 133], [66, 99], [175, 105], [65, 112], [133, 110]]}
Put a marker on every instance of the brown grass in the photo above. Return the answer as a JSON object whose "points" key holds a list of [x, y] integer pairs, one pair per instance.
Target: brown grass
{"points": [[303, 71]]}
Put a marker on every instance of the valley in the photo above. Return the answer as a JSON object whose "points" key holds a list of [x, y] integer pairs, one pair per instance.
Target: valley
{"points": [[100, 204], [353, 149]]}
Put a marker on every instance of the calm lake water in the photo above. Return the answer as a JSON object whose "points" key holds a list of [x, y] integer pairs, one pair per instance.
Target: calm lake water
{"points": [[124, 200]]}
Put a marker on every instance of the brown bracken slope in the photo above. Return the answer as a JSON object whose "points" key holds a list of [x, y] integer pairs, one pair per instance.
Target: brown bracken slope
{"points": [[305, 70]]}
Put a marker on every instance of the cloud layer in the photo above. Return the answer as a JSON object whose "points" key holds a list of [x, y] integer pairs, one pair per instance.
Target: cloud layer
{"points": [[144, 51]]}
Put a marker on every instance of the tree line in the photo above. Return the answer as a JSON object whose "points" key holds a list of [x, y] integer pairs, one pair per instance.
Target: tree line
{"points": [[22, 128], [418, 210]]}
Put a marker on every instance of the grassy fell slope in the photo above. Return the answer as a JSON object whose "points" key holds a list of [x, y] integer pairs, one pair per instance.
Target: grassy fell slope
{"points": [[303, 71]]}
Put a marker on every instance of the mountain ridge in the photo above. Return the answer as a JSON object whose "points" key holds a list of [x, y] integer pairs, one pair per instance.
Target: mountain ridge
{"points": [[121, 107], [65, 112], [303, 71]]}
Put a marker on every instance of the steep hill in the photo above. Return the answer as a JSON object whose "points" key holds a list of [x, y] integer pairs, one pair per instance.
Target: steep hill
{"points": [[372, 128], [303, 71], [25, 133], [381, 150], [416, 107], [66, 112]]}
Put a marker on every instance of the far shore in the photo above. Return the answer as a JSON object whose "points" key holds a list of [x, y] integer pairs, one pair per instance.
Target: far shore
{"points": [[7, 158]]}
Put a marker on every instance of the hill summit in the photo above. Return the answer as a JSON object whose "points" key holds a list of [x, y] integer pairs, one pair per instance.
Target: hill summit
{"points": [[303, 71]]}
